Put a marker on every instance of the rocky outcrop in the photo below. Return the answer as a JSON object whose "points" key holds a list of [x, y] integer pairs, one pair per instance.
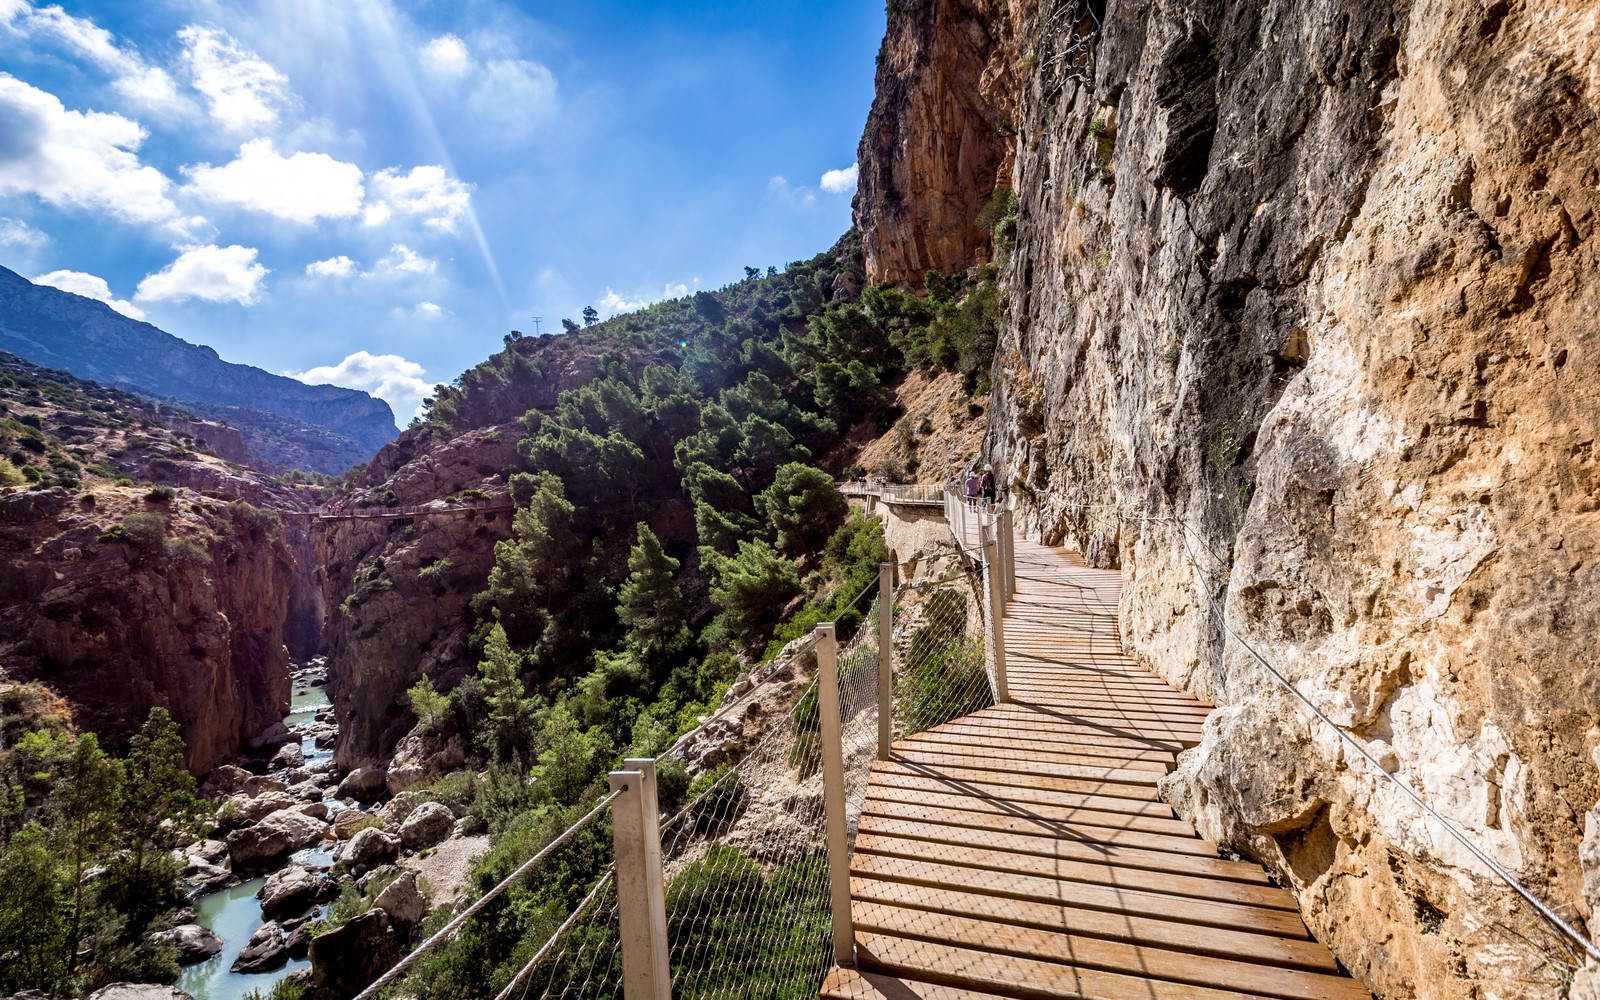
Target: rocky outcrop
{"points": [[347, 959], [185, 611], [938, 138], [260, 847], [406, 585], [1299, 323], [194, 943], [266, 950]]}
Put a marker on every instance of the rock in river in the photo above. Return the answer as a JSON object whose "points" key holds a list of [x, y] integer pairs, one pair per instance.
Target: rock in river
{"points": [[265, 951], [369, 847], [194, 943], [348, 958], [259, 847]]}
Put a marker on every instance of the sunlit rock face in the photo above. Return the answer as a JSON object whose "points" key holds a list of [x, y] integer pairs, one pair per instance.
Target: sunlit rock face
{"points": [[1316, 281]]}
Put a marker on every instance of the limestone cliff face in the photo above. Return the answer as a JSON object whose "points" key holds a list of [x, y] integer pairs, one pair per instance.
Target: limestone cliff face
{"points": [[939, 137], [190, 617], [1302, 322]]}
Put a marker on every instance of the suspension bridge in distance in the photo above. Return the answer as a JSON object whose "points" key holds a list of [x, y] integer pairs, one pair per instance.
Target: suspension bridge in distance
{"points": [[1024, 851], [492, 506]]}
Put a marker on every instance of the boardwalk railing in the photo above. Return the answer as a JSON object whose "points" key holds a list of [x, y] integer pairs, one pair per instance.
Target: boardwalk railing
{"points": [[340, 513]]}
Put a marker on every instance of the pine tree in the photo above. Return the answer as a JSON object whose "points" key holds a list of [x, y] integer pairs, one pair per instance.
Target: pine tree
{"points": [[803, 507], [501, 670], [158, 797], [536, 563], [649, 604]]}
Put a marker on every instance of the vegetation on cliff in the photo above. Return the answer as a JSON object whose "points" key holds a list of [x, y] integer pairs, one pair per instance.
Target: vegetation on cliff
{"points": [[675, 522]]}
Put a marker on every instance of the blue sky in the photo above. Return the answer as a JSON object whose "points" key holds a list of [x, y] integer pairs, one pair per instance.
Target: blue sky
{"points": [[373, 193]]}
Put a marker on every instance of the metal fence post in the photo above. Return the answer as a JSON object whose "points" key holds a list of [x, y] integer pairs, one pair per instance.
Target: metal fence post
{"points": [[885, 658], [833, 796], [997, 630], [1008, 561], [641, 893]]}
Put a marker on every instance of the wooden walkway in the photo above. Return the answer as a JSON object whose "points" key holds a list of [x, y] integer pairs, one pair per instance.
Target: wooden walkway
{"points": [[1024, 850]]}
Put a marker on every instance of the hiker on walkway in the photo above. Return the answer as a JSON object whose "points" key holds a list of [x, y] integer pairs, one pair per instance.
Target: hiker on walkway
{"points": [[973, 485], [987, 485]]}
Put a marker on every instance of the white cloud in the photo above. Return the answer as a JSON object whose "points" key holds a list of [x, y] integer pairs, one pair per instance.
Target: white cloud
{"points": [[447, 56], [428, 193], [16, 233], [504, 97], [423, 310], [401, 259], [676, 291], [611, 303], [242, 90], [302, 187], [212, 273], [74, 158], [390, 377], [131, 76], [841, 181], [511, 98], [334, 267], [90, 286], [780, 187]]}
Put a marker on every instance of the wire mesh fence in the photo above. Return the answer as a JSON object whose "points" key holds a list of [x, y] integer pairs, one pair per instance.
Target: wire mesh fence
{"points": [[940, 656], [751, 907]]}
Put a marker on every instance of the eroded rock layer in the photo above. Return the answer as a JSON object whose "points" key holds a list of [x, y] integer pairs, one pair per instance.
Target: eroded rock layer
{"points": [[1302, 322]]}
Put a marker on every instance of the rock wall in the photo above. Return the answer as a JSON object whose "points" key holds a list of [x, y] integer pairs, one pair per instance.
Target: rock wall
{"points": [[193, 621], [398, 592], [938, 138], [1302, 322]]}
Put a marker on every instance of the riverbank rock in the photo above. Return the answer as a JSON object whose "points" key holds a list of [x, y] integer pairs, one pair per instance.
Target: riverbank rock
{"points": [[404, 903], [194, 943], [370, 847], [348, 958], [364, 784], [418, 759], [265, 951], [258, 847], [242, 809], [288, 891], [427, 825], [348, 822], [137, 991], [288, 757]]}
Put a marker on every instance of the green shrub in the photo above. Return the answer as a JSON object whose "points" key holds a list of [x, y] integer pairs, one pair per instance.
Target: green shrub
{"points": [[10, 475], [160, 494]]}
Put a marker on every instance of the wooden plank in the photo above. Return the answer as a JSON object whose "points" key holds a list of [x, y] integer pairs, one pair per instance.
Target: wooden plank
{"points": [[853, 984], [1152, 815], [988, 815], [1015, 977], [975, 727], [1078, 895], [1000, 785], [1022, 764], [1082, 952], [1044, 713], [1152, 760], [1169, 935], [1191, 887], [1044, 841], [1167, 737]]}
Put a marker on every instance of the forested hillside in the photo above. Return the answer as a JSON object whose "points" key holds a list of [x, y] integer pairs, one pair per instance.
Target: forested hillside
{"points": [[675, 522]]}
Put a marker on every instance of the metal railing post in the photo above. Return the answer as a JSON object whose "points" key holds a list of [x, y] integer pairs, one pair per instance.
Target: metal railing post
{"points": [[997, 630], [641, 893], [1008, 561], [885, 658], [844, 954]]}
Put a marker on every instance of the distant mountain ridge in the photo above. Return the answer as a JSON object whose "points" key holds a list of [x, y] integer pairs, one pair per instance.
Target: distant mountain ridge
{"points": [[321, 428]]}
